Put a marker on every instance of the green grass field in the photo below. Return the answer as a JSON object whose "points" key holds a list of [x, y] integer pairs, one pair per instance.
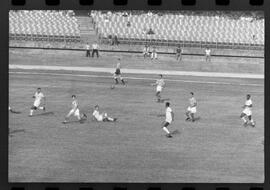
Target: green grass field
{"points": [[216, 149]]}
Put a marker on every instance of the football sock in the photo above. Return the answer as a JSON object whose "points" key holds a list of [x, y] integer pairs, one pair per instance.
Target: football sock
{"points": [[31, 112], [110, 119], [123, 82], [41, 108], [192, 116], [116, 81], [244, 119], [166, 130]]}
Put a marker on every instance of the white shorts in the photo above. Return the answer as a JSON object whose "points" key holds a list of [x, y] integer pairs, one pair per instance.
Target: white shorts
{"points": [[192, 109], [76, 112], [37, 103], [159, 88], [248, 112]]}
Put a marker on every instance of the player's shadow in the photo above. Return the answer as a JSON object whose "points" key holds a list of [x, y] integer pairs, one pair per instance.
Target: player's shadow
{"points": [[195, 119], [11, 132], [164, 100], [75, 121], [44, 114], [175, 132]]}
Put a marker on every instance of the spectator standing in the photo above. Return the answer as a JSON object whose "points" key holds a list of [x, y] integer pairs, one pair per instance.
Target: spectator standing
{"points": [[207, 54], [145, 51], [178, 53], [87, 50], [95, 49], [154, 53]]}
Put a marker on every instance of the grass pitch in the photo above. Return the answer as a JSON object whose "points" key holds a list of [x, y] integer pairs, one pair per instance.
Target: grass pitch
{"points": [[216, 149]]}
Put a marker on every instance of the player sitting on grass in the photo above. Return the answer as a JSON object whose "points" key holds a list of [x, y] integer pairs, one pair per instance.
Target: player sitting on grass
{"points": [[75, 111], [191, 110], [160, 84], [39, 96], [169, 117], [246, 115], [101, 116]]}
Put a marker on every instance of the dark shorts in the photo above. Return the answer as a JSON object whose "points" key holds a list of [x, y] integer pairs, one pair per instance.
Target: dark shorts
{"points": [[33, 107], [166, 124]]}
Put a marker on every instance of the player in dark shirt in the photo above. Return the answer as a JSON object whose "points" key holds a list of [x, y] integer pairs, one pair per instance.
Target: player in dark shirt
{"points": [[178, 53], [117, 74]]}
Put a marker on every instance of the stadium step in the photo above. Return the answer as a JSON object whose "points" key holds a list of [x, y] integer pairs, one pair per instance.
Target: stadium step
{"points": [[87, 31]]}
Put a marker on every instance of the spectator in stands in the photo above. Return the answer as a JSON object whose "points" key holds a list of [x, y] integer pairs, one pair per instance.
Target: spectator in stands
{"points": [[178, 53], [207, 54], [128, 24], [95, 49], [145, 51], [87, 50], [150, 31], [154, 53], [115, 40]]}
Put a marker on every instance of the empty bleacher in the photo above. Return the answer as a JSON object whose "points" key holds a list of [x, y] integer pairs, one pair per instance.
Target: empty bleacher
{"points": [[175, 28], [43, 26]]}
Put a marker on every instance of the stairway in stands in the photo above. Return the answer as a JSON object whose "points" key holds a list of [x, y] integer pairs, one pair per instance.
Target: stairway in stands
{"points": [[87, 31]]}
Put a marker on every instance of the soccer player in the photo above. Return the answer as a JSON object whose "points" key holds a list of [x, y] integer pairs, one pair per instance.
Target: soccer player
{"points": [[160, 84], [39, 96], [178, 53], [154, 53], [246, 115], [207, 54], [169, 117], [117, 73], [191, 110], [101, 116], [75, 111]]}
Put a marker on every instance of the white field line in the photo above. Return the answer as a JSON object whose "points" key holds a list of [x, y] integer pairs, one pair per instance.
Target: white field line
{"points": [[135, 78], [140, 71]]}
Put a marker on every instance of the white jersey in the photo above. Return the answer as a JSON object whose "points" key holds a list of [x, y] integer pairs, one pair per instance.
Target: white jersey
{"points": [[160, 84], [192, 102], [74, 104], [247, 110], [98, 116], [38, 98], [168, 115], [207, 51]]}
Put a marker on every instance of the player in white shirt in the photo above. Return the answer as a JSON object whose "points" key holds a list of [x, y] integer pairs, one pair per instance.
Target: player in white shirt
{"points": [[87, 50], [39, 96], [207, 54], [246, 114], [75, 111], [192, 108], [169, 117], [101, 116], [160, 85]]}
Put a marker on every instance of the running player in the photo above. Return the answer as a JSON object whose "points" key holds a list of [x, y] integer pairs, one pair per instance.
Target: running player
{"points": [[117, 73], [246, 115], [75, 111], [39, 96], [169, 117], [160, 84], [191, 110], [101, 116]]}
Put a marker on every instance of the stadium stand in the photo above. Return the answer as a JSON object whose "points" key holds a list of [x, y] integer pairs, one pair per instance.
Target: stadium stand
{"points": [[43, 26], [174, 28]]}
